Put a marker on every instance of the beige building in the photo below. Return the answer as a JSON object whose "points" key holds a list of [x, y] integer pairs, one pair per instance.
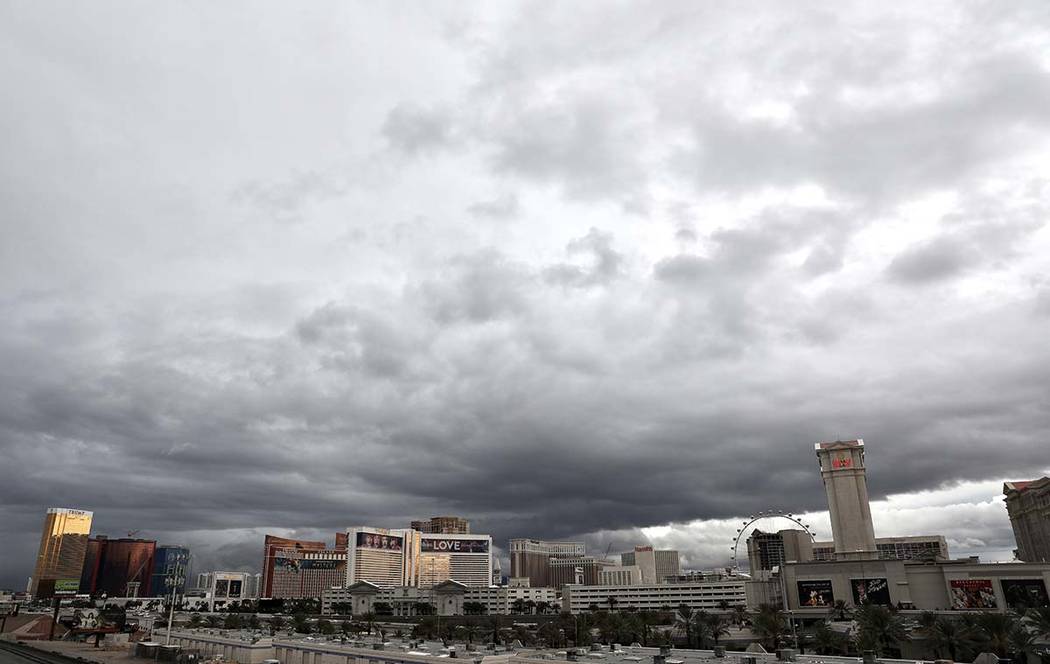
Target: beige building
{"points": [[945, 585], [654, 597], [918, 547], [443, 525], [655, 565], [531, 559], [386, 558], [845, 482], [1028, 504], [621, 575], [446, 599], [60, 558], [457, 557]]}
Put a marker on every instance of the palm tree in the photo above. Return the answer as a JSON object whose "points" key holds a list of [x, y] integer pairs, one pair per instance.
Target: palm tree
{"points": [[770, 625], [685, 619], [740, 615], [543, 607], [1039, 622], [530, 606], [996, 628], [494, 627], [300, 623], [470, 630], [551, 634], [276, 623], [1022, 642], [369, 618], [612, 602], [826, 640], [717, 627], [839, 610], [879, 629], [946, 635], [518, 606]]}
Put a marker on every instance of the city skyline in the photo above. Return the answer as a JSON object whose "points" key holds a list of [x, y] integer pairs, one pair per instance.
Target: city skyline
{"points": [[568, 272]]}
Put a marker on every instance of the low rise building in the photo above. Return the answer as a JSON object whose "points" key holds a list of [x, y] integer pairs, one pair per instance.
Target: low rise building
{"points": [[917, 547], [654, 597], [960, 585], [449, 598]]}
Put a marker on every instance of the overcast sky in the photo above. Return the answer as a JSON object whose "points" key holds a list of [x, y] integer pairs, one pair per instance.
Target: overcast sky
{"points": [[603, 270]]}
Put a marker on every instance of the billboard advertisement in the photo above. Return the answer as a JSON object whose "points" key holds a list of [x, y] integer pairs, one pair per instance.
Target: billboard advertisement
{"points": [[449, 545], [222, 588], [67, 586], [870, 591], [377, 541], [320, 564], [972, 594], [815, 593], [1025, 593], [282, 564]]}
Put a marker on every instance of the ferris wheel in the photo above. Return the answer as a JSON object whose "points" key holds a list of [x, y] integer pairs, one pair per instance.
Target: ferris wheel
{"points": [[743, 532]]}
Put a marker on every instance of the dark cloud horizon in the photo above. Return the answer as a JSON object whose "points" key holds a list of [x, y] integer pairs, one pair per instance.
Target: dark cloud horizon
{"points": [[603, 273]]}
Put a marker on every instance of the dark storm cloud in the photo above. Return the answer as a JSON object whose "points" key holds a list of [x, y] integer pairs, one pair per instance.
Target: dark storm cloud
{"points": [[567, 272]]}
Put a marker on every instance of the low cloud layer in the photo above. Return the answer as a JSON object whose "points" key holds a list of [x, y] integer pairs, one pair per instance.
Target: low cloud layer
{"points": [[578, 272]]}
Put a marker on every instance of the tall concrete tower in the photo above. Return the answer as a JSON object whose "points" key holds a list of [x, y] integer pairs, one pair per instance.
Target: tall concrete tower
{"points": [[842, 469]]}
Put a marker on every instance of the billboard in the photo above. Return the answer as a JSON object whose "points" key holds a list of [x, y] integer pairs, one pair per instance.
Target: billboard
{"points": [[815, 593], [972, 594], [1025, 593], [320, 564], [377, 541], [222, 588], [870, 591], [282, 564], [450, 545], [67, 586]]}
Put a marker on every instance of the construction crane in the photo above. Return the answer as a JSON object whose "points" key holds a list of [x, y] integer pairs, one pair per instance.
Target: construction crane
{"points": [[132, 533], [607, 550]]}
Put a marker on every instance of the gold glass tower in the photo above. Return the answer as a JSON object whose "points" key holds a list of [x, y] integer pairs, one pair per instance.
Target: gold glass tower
{"points": [[62, 547]]}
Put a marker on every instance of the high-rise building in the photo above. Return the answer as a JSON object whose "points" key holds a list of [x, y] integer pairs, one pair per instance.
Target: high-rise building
{"points": [[170, 565], [1028, 504], [916, 547], [584, 570], [531, 558], [845, 482], [457, 557], [300, 574], [768, 550], [387, 558], [63, 545], [118, 567], [254, 585], [443, 525], [654, 565], [271, 545]]}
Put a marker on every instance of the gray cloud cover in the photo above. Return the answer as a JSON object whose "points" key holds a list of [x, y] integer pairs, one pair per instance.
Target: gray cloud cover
{"points": [[566, 270]]}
